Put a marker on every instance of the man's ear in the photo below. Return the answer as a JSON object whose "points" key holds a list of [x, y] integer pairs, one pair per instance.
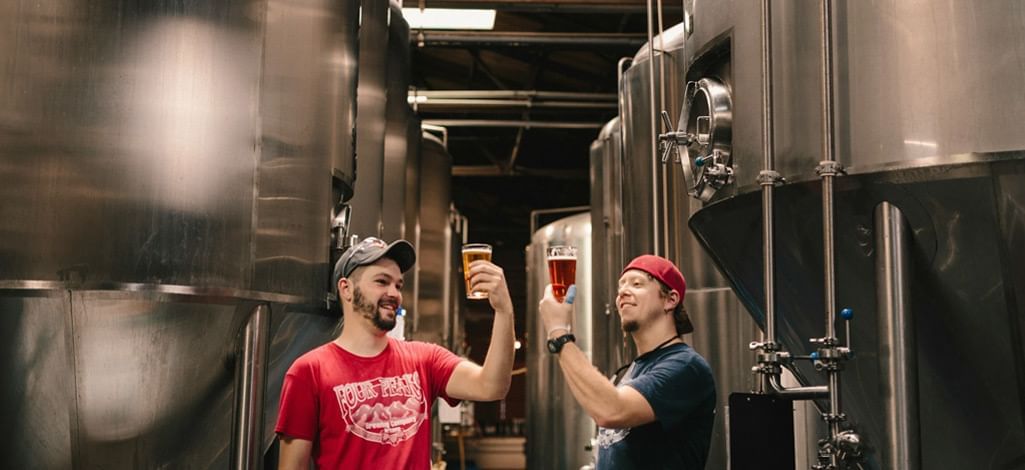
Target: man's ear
{"points": [[344, 289], [670, 301]]}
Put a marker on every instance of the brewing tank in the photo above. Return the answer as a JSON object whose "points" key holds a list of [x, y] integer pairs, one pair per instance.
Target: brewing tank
{"points": [[655, 211], [166, 171], [559, 432], [925, 107]]}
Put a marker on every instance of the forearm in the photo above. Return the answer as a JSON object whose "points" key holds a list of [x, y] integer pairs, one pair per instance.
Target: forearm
{"points": [[593, 391], [497, 369]]}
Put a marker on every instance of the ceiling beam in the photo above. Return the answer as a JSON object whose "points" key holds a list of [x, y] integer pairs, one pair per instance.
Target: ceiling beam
{"points": [[463, 39], [513, 123], [551, 6]]}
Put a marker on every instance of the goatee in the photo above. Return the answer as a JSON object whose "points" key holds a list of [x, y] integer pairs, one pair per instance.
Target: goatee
{"points": [[370, 311], [630, 326]]}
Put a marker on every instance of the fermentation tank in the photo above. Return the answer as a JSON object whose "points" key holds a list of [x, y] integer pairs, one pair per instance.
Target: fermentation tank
{"points": [[926, 105], [559, 432], [166, 173], [652, 217]]}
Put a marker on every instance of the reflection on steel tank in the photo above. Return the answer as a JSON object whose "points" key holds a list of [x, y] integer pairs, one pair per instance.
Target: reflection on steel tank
{"points": [[166, 174], [925, 108]]}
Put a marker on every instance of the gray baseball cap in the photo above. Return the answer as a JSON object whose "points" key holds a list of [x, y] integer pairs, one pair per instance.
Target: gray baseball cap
{"points": [[371, 249]]}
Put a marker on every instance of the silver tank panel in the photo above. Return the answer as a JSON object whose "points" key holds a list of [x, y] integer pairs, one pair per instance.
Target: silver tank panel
{"points": [[927, 109], [160, 166], [559, 432]]}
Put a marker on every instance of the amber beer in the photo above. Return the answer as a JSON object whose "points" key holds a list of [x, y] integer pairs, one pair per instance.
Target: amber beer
{"points": [[562, 269], [473, 252]]}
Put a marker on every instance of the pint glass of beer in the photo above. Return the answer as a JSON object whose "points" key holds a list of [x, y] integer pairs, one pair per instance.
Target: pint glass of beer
{"points": [[473, 252], [562, 269]]}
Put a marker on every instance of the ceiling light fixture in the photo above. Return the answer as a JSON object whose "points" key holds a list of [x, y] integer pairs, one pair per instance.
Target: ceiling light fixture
{"points": [[449, 18]]}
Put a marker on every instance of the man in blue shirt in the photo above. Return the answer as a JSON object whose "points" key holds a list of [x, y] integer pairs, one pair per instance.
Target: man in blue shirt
{"points": [[658, 412]]}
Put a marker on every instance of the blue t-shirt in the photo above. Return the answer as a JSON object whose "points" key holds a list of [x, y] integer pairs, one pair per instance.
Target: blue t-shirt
{"points": [[679, 386]]}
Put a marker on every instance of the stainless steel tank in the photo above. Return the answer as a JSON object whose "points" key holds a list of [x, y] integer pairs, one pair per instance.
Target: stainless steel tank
{"points": [[927, 107], [436, 257], [397, 138], [657, 209], [607, 247], [559, 432], [372, 97], [165, 170]]}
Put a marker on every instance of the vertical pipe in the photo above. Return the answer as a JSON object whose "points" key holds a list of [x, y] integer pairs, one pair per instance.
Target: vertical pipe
{"points": [[897, 350], [829, 170], [654, 131], [662, 105], [768, 169], [768, 165], [828, 155], [249, 399]]}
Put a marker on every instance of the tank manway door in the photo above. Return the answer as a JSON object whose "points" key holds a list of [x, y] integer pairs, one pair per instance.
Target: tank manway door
{"points": [[702, 138]]}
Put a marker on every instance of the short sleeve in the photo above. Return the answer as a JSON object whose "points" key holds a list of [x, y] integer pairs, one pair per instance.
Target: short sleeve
{"points": [[299, 411], [443, 362], [675, 388]]}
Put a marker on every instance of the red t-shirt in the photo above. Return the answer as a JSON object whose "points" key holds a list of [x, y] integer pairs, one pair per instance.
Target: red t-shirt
{"points": [[366, 412]]}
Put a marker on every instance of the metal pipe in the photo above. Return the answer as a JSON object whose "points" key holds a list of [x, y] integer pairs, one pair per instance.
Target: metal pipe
{"points": [[797, 393], [470, 104], [513, 95], [439, 129], [525, 39], [512, 123], [897, 349], [829, 169], [662, 106], [768, 165], [251, 381], [655, 222], [621, 102], [827, 178]]}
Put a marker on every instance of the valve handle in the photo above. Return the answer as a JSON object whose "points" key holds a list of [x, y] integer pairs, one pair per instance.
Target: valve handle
{"points": [[668, 123]]}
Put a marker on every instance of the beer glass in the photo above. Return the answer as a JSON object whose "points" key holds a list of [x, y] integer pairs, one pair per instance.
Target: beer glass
{"points": [[473, 252], [562, 269]]}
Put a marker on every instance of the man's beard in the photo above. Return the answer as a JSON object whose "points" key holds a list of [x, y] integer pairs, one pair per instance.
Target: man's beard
{"points": [[630, 326], [370, 311]]}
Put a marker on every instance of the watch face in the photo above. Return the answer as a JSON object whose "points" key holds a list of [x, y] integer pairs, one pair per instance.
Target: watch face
{"points": [[552, 346]]}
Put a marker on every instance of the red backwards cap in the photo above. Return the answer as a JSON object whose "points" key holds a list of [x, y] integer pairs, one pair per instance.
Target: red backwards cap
{"points": [[661, 269]]}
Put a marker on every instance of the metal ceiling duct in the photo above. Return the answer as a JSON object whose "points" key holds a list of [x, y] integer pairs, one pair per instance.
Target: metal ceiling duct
{"points": [[166, 173]]}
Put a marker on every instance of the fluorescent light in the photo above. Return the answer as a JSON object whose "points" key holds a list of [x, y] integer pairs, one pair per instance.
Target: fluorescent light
{"points": [[449, 18]]}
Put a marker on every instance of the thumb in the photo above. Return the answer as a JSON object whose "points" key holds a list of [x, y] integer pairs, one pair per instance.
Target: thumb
{"points": [[571, 294]]}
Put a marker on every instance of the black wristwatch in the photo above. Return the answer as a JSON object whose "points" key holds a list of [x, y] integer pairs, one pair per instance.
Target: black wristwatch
{"points": [[555, 344]]}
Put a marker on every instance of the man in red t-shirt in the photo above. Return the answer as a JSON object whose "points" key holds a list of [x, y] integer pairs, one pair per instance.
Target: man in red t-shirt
{"points": [[363, 401]]}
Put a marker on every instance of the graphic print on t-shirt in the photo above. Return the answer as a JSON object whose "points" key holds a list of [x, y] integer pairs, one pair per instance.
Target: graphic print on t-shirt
{"points": [[385, 410]]}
